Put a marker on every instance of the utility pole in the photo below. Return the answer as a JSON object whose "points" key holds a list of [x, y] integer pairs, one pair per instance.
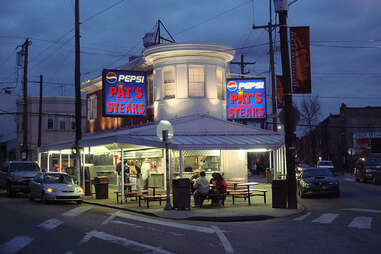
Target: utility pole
{"points": [[77, 83], [242, 64], [270, 28], [40, 115], [281, 7], [25, 148]]}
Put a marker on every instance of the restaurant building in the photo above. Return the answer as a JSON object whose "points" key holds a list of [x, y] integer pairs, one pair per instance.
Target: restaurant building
{"points": [[186, 85]]}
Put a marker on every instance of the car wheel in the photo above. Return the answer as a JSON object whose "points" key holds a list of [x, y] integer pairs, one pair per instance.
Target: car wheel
{"points": [[44, 199], [79, 202], [357, 179], [337, 194], [9, 191]]}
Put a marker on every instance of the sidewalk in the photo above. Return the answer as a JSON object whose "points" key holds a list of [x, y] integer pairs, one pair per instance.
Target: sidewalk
{"points": [[240, 211]]}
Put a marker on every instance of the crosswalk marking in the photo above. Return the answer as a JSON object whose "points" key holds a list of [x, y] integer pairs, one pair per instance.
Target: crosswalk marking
{"points": [[361, 222], [326, 218], [50, 224], [17, 243], [300, 218], [76, 211]]}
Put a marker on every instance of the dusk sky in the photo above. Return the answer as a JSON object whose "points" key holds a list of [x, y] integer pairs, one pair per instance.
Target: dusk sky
{"points": [[345, 40]]}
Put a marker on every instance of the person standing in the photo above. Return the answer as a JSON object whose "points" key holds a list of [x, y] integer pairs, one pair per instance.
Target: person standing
{"points": [[201, 187], [145, 173]]}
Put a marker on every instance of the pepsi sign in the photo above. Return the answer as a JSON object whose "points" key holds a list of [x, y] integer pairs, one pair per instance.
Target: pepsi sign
{"points": [[246, 98], [124, 93]]}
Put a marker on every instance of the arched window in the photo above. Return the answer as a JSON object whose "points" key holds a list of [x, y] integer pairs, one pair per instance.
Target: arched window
{"points": [[196, 81], [169, 83]]}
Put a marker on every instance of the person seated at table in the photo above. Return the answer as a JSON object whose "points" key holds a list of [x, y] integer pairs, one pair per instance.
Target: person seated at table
{"points": [[196, 175], [201, 187], [219, 188]]}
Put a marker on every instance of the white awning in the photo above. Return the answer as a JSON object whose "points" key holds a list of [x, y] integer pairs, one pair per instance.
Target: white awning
{"points": [[197, 132]]}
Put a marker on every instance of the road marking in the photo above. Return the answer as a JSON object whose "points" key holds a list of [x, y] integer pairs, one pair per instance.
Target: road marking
{"points": [[108, 219], [121, 241], [300, 218], [361, 222], [126, 223], [326, 218], [17, 243], [361, 210], [225, 242], [349, 179], [166, 223], [69, 252], [77, 211], [50, 224]]}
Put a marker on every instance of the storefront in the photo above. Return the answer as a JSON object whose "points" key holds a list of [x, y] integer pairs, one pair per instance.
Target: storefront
{"points": [[186, 85]]}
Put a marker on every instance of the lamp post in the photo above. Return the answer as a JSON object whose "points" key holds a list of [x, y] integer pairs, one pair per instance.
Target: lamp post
{"points": [[281, 7], [164, 131]]}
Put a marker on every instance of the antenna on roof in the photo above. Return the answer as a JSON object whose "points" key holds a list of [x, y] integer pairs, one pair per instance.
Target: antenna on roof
{"points": [[155, 38]]}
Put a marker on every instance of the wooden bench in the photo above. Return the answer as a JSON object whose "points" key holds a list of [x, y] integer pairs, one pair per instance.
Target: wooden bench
{"points": [[262, 192], [150, 198], [209, 196], [135, 194]]}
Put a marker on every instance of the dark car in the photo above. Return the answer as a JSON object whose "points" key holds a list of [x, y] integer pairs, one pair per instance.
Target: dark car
{"points": [[368, 169], [16, 175], [317, 181]]}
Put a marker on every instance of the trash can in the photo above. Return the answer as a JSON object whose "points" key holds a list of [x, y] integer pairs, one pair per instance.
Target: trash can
{"points": [[279, 193], [101, 187], [181, 193]]}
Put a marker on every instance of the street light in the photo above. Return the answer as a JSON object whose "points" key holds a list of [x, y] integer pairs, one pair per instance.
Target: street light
{"points": [[164, 131]]}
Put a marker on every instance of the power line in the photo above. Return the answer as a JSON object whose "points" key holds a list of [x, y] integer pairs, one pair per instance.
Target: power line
{"points": [[210, 19], [102, 11]]}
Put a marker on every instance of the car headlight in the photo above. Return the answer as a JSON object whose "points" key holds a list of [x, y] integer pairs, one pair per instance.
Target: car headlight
{"points": [[79, 189], [369, 170], [49, 190], [305, 184]]}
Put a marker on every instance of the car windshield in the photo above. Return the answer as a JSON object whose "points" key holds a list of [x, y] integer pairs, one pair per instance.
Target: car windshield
{"points": [[24, 167], [317, 172], [58, 178], [326, 164], [373, 162]]}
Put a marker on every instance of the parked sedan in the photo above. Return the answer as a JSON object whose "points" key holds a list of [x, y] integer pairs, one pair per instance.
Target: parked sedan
{"points": [[51, 186], [368, 169], [317, 181]]}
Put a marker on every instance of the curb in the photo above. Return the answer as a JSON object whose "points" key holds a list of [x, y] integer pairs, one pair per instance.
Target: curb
{"points": [[237, 218]]}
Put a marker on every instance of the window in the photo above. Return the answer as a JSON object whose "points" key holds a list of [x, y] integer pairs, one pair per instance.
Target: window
{"points": [[92, 107], [73, 125], [62, 124], [196, 82], [220, 84], [50, 123], [169, 83]]}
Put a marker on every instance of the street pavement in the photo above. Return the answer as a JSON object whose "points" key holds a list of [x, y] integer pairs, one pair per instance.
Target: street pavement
{"points": [[349, 224]]}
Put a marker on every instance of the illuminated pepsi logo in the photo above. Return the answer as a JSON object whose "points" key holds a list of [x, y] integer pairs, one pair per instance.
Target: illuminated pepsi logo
{"points": [[111, 77], [232, 86]]}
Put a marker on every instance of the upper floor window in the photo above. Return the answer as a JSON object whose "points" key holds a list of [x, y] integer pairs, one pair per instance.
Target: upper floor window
{"points": [[92, 107], [220, 84], [196, 82], [50, 123], [169, 83]]}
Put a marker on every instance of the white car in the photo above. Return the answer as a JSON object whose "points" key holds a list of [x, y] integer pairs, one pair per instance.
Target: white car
{"points": [[52, 186]]}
